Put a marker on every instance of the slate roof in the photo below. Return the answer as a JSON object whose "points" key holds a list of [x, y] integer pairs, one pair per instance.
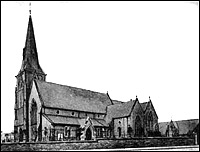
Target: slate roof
{"points": [[184, 126], [99, 122], [67, 97], [196, 129], [119, 110], [73, 120], [144, 105], [63, 120], [187, 125]]}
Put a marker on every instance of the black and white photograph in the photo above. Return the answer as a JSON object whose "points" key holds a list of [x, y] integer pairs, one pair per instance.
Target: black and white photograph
{"points": [[100, 75]]}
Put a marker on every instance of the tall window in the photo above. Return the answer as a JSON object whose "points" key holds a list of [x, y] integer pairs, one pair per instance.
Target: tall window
{"points": [[98, 132], [73, 132], [156, 127], [138, 127], [20, 134], [15, 114], [119, 131], [20, 98], [129, 130], [108, 133], [67, 132], [33, 112], [150, 121]]}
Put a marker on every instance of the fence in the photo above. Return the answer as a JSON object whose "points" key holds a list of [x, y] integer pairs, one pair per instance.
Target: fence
{"points": [[74, 133], [66, 134]]}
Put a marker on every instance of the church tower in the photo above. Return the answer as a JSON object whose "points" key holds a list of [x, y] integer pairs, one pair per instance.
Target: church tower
{"points": [[29, 71]]}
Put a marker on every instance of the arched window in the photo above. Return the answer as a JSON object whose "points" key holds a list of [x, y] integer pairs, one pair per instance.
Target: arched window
{"points": [[16, 114], [20, 134], [156, 127], [33, 113], [150, 121], [129, 130], [138, 127], [119, 131], [98, 132]]}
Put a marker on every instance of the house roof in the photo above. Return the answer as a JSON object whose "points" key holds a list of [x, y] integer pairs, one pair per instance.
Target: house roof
{"points": [[119, 110], [187, 125], [67, 97], [196, 129], [73, 120], [184, 126], [163, 127]]}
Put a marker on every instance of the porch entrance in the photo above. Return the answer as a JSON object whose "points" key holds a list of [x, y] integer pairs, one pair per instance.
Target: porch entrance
{"points": [[88, 134]]}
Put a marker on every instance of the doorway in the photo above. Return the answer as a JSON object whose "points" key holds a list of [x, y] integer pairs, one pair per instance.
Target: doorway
{"points": [[88, 134]]}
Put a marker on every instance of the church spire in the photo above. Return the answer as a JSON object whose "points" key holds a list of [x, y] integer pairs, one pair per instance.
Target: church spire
{"points": [[30, 37], [30, 55], [30, 70]]}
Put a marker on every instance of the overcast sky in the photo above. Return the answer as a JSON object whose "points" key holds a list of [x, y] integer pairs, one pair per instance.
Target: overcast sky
{"points": [[125, 48]]}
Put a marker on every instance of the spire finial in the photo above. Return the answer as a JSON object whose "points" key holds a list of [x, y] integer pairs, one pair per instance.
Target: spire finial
{"points": [[30, 8]]}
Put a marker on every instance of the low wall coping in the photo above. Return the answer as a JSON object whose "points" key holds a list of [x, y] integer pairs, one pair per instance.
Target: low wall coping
{"points": [[92, 141]]}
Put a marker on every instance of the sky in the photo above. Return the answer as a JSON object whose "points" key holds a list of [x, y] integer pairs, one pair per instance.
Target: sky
{"points": [[126, 48]]}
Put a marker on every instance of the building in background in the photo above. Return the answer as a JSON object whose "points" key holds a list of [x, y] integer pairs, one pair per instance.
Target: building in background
{"points": [[7, 137], [179, 128]]}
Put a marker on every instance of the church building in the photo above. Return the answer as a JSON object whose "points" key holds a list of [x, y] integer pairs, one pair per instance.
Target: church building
{"points": [[46, 111]]}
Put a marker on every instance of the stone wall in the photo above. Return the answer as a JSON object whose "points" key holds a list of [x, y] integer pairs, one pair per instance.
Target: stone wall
{"points": [[99, 144]]}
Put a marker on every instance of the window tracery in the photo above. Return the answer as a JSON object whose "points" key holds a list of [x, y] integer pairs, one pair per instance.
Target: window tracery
{"points": [[33, 112]]}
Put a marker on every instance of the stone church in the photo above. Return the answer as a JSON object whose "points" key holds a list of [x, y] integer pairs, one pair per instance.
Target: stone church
{"points": [[46, 111]]}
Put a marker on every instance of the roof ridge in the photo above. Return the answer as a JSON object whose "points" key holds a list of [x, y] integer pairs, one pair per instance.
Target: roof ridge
{"points": [[178, 120], [145, 102], [54, 115], [122, 103], [69, 86], [117, 100], [187, 120], [99, 122]]}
